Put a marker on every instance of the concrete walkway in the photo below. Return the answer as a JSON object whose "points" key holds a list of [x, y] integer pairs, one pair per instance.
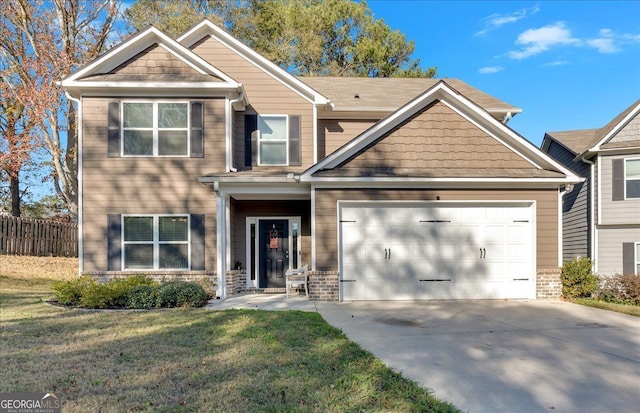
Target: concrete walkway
{"points": [[494, 356]]}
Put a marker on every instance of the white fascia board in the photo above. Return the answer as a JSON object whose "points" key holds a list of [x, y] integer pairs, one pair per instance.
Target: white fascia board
{"points": [[614, 130], [207, 28], [265, 191], [401, 183], [130, 48]]}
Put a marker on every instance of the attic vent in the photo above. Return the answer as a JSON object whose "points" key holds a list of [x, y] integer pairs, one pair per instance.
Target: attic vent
{"points": [[357, 96]]}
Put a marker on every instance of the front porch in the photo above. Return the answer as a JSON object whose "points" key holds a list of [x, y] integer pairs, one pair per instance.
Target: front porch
{"points": [[323, 286]]}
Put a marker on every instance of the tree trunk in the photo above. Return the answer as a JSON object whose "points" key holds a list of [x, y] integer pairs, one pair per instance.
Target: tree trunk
{"points": [[14, 188]]}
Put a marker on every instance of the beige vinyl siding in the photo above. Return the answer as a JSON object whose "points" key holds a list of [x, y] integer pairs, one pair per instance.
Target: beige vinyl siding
{"points": [[333, 133], [610, 240], [326, 216], [438, 137], [629, 133], [155, 60], [616, 212], [138, 185], [266, 96]]}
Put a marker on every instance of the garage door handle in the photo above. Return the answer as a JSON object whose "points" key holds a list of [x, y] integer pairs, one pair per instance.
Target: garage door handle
{"points": [[520, 279], [483, 253], [347, 281]]}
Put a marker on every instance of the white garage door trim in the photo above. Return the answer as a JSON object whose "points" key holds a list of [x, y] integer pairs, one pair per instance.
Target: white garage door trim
{"points": [[380, 246]]}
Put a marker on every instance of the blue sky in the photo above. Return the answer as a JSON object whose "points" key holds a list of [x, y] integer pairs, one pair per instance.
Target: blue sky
{"points": [[567, 64]]}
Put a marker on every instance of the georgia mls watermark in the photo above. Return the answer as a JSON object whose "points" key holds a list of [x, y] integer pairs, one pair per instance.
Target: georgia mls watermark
{"points": [[29, 403]]}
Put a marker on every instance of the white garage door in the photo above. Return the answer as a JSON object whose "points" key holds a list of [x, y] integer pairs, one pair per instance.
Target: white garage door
{"points": [[408, 251]]}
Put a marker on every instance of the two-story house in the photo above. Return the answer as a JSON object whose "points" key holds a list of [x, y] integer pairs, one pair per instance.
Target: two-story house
{"points": [[601, 216], [199, 157]]}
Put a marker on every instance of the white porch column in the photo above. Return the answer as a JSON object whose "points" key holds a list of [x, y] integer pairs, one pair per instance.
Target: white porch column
{"points": [[221, 250]]}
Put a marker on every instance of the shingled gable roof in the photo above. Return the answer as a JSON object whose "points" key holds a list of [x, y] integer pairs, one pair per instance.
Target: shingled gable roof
{"points": [[207, 28], [92, 76], [549, 169], [583, 142], [388, 94]]}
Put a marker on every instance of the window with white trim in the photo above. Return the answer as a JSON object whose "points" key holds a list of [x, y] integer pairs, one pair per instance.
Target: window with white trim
{"points": [[272, 140], [155, 128], [632, 178], [155, 242], [637, 259]]}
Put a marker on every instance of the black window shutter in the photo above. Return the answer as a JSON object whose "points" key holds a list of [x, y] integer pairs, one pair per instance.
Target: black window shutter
{"points": [[113, 126], [197, 242], [295, 155], [250, 140], [197, 130], [628, 258], [114, 243], [618, 179]]}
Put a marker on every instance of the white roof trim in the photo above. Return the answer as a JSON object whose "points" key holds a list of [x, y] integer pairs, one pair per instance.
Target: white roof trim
{"points": [[442, 91], [615, 129], [143, 40], [206, 28]]}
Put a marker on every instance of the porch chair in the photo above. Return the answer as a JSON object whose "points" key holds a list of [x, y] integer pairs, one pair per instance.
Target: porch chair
{"points": [[297, 277]]}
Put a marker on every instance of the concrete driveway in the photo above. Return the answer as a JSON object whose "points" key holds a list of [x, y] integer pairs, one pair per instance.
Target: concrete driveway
{"points": [[504, 356]]}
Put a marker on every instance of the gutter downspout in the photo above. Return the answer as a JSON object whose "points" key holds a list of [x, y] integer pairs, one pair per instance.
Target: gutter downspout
{"points": [[507, 118], [80, 214], [229, 116], [592, 201]]}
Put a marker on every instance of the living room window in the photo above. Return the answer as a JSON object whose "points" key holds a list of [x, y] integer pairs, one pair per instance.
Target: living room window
{"points": [[632, 178], [155, 128], [155, 242], [272, 140]]}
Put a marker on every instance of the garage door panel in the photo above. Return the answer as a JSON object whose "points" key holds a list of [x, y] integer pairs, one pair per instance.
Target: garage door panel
{"points": [[438, 252]]}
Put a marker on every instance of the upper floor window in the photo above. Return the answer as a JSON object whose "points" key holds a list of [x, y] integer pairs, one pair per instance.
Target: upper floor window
{"points": [[632, 178], [155, 128], [156, 242], [272, 140]]}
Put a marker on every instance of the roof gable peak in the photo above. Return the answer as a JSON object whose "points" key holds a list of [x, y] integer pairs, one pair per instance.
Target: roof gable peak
{"points": [[138, 43], [208, 28]]}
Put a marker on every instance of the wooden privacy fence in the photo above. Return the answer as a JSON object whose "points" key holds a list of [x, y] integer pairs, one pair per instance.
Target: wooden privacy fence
{"points": [[26, 236]]}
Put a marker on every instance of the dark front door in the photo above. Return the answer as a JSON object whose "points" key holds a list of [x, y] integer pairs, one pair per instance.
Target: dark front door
{"points": [[274, 253]]}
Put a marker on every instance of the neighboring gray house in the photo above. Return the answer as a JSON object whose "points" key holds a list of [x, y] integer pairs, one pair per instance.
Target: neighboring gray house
{"points": [[601, 217]]}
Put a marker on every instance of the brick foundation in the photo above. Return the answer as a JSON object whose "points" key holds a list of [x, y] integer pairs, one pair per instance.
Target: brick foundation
{"points": [[236, 281], [323, 286], [548, 285]]}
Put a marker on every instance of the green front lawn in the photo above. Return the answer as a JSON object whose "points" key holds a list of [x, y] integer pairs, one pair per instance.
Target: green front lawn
{"points": [[186, 360], [618, 308]]}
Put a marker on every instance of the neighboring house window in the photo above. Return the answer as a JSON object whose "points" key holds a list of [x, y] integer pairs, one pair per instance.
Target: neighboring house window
{"points": [[155, 242], [155, 128], [272, 140], [637, 258], [632, 178]]}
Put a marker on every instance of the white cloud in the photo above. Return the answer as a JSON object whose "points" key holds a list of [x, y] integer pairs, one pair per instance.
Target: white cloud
{"points": [[495, 21], [609, 42], [536, 41], [490, 69], [557, 63]]}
